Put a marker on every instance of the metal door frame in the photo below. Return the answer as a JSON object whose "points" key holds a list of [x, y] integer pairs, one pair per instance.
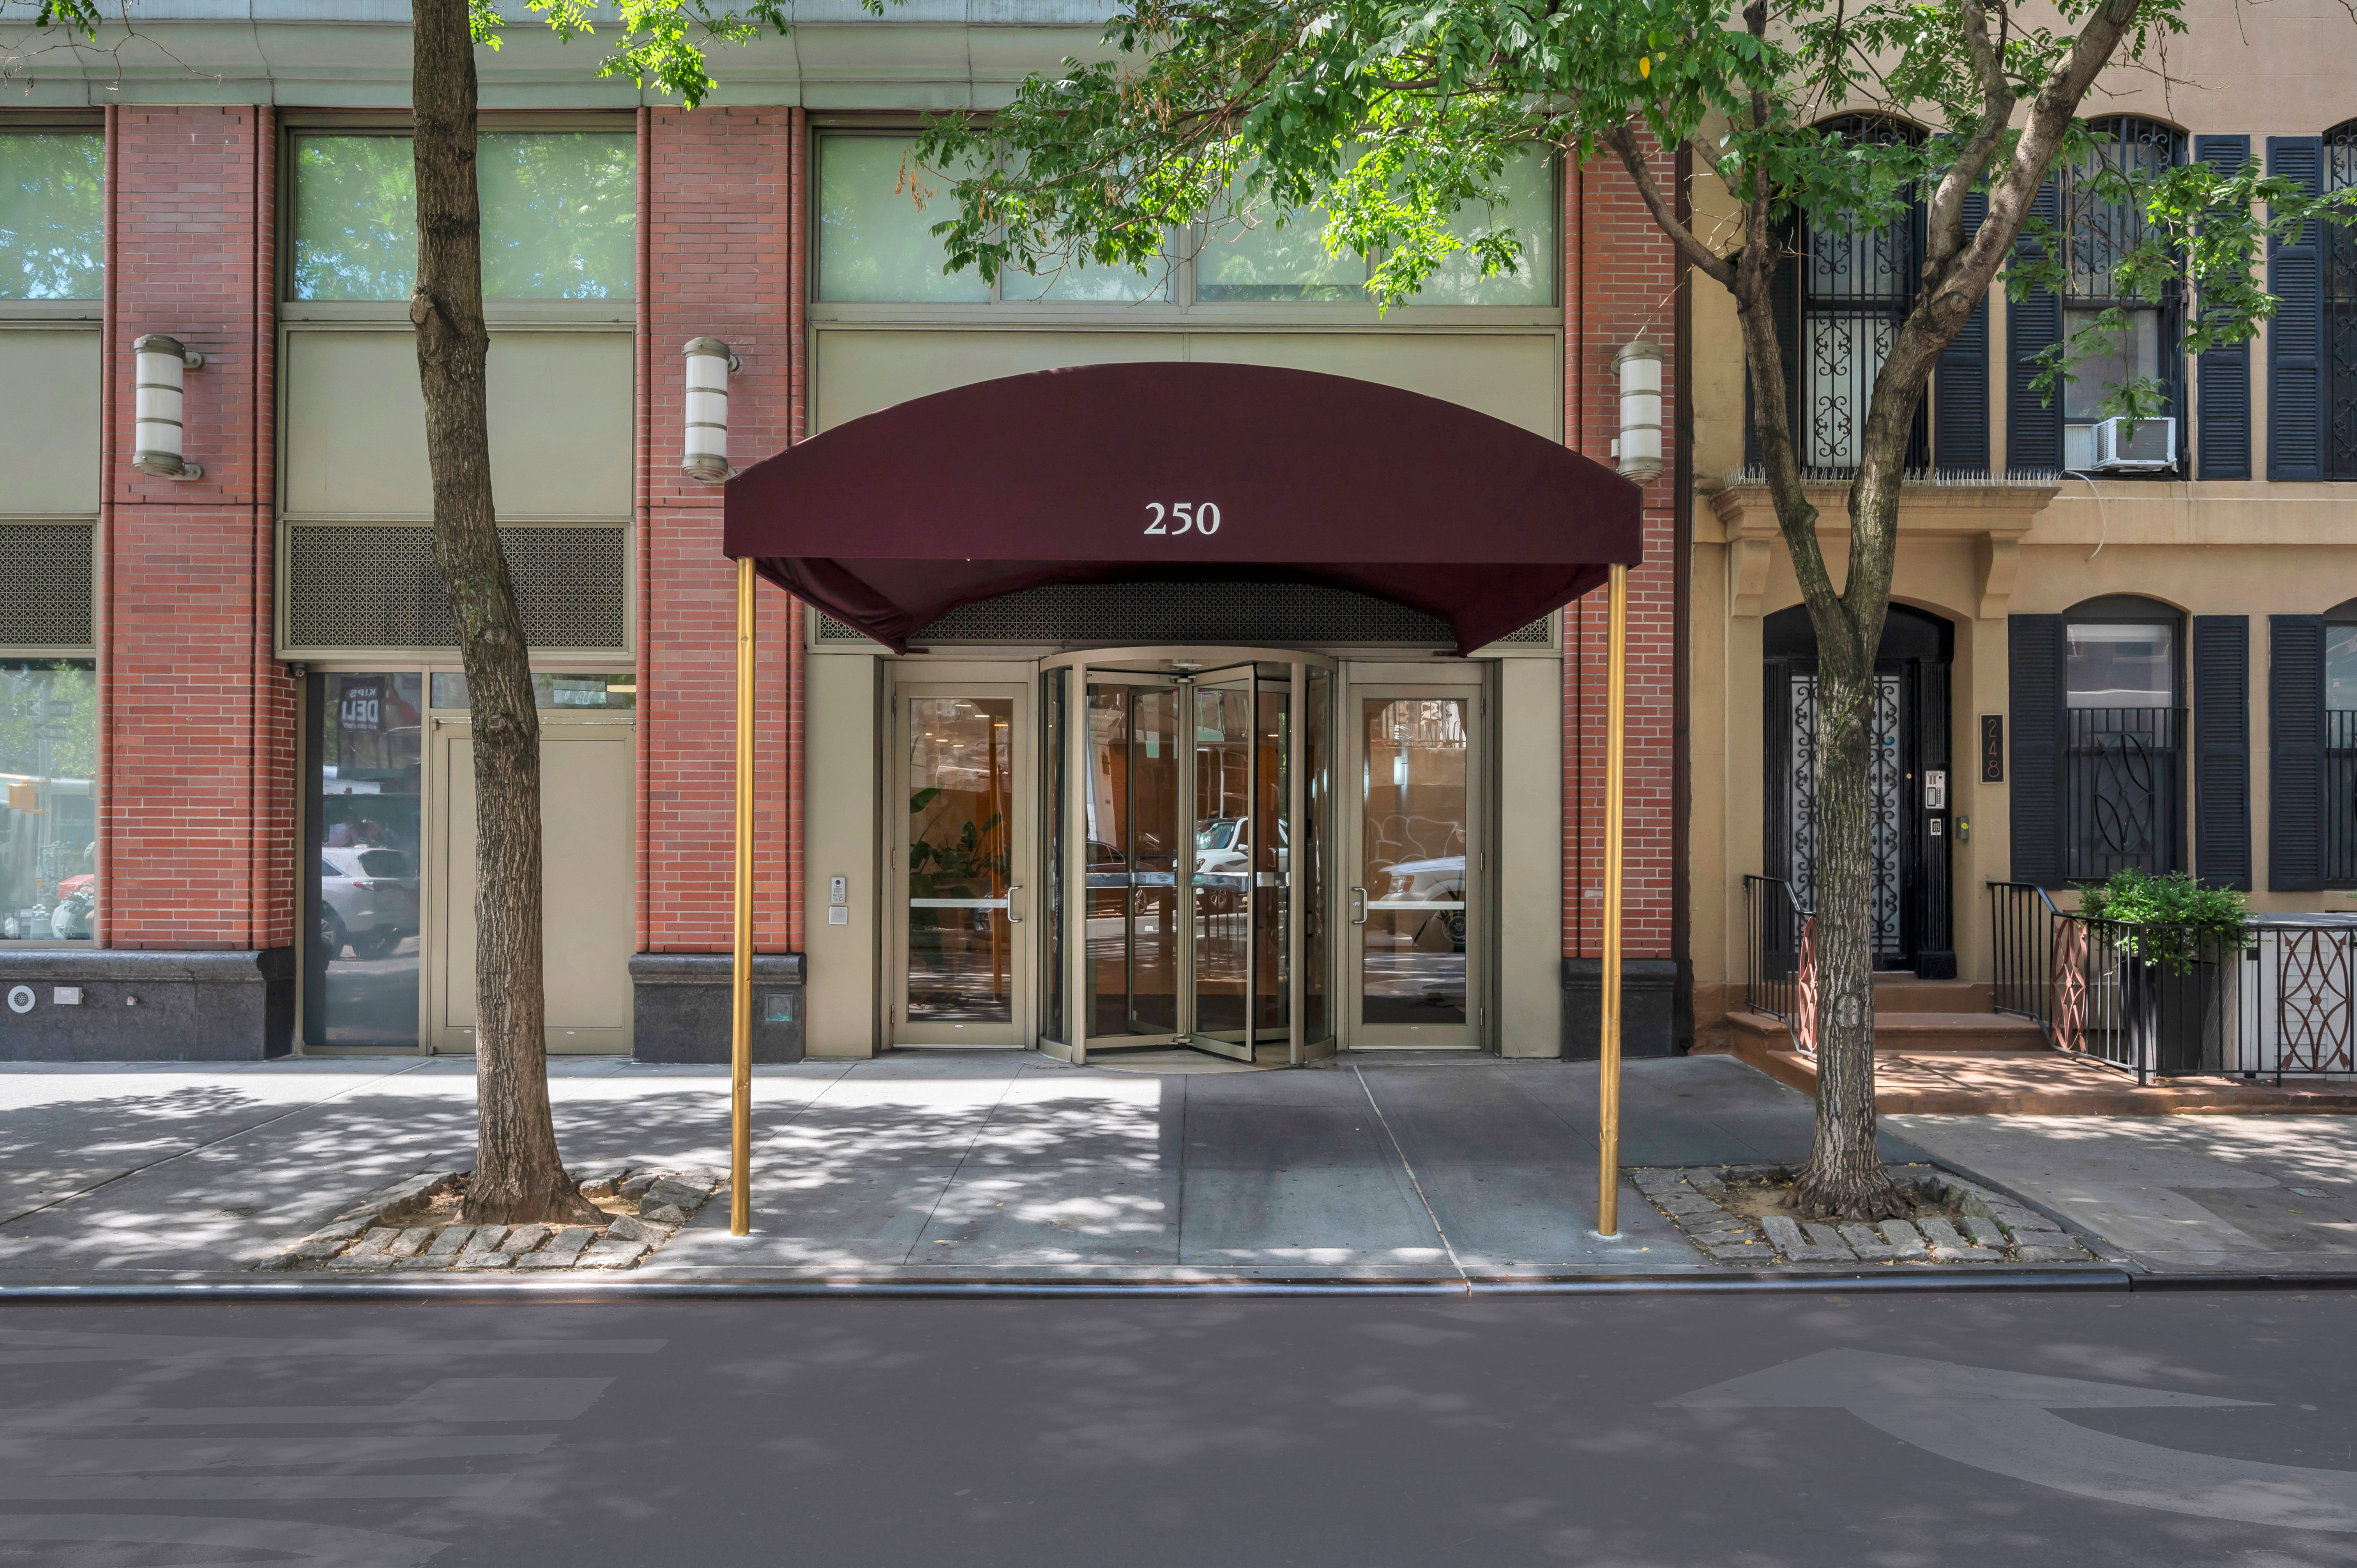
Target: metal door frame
{"points": [[1120, 666], [1022, 854], [1472, 689]]}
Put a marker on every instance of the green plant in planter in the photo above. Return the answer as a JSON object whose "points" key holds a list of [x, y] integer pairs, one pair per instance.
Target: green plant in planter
{"points": [[2180, 921]]}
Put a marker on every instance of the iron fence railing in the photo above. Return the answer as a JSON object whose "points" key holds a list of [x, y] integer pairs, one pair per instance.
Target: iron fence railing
{"points": [[2121, 768], [2277, 999], [1780, 966]]}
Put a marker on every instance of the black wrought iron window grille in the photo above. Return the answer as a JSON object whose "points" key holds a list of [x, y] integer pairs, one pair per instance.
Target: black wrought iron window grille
{"points": [[2119, 790], [2099, 226], [2341, 312], [1856, 286], [2340, 748]]}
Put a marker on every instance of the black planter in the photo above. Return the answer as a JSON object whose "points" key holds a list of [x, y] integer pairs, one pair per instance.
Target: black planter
{"points": [[2174, 1015]]}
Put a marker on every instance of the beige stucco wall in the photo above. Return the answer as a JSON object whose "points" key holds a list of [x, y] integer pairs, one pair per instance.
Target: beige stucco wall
{"points": [[843, 715]]}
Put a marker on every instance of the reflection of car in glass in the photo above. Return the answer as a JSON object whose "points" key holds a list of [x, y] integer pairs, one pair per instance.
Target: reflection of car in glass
{"points": [[1440, 879], [76, 915], [1223, 846], [368, 901]]}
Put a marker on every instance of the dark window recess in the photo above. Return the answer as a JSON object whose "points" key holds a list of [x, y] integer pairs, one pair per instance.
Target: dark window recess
{"points": [[2339, 341], [2296, 762], [2223, 375], [2222, 750], [2096, 231], [2296, 393]]}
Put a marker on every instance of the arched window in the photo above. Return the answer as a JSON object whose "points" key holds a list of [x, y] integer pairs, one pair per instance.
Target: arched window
{"points": [[2340, 258], [1840, 293], [2123, 741], [2098, 227]]}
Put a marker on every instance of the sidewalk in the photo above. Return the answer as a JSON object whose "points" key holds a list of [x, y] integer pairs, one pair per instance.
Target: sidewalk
{"points": [[1010, 1166]]}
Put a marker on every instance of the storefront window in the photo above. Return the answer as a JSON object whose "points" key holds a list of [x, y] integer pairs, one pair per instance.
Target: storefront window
{"points": [[49, 800], [560, 215], [52, 214], [875, 211], [361, 984], [553, 692]]}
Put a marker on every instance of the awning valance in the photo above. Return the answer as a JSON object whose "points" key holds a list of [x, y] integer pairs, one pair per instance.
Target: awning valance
{"points": [[1182, 472]]}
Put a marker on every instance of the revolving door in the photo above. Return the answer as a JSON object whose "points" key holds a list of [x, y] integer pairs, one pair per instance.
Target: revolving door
{"points": [[1187, 841]]}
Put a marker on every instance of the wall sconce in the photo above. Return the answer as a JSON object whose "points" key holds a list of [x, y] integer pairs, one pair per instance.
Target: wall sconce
{"points": [[1640, 446], [155, 447], [709, 363]]}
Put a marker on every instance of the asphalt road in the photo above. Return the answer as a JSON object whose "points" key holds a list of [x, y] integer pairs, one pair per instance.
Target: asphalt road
{"points": [[1187, 1434]]}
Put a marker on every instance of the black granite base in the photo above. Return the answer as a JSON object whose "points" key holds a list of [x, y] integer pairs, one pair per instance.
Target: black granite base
{"points": [[680, 1007], [145, 1006], [1649, 1007]]}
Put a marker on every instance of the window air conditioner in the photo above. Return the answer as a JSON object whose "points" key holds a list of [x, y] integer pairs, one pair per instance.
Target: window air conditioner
{"points": [[2153, 445]]}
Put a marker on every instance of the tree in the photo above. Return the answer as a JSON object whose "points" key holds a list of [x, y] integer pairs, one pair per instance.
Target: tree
{"points": [[519, 1175], [1393, 118]]}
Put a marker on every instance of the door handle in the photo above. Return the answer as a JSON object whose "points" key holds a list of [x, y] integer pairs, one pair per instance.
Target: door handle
{"points": [[1013, 915], [1357, 905]]}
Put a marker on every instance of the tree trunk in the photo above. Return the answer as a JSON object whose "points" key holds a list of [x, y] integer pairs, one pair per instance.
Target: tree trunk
{"points": [[518, 1178]]}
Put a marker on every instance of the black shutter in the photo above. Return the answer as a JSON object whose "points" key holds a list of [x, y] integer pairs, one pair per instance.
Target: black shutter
{"points": [[2296, 334], [1784, 302], [1960, 387], [2295, 753], [2222, 750], [2223, 375], [2033, 421], [2035, 693]]}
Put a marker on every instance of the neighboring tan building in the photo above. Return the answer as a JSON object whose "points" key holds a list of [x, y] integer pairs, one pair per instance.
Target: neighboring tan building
{"points": [[239, 811], [2104, 651]]}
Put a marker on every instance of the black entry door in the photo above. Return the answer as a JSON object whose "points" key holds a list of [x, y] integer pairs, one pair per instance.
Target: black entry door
{"points": [[1910, 906]]}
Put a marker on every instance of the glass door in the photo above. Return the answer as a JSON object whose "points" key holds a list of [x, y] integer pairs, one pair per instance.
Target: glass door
{"points": [[1225, 853], [1414, 938], [961, 939], [1134, 816]]}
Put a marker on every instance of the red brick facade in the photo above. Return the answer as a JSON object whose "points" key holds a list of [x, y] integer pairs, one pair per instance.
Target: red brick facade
{"points": [[197, 767], [198, 786], [1621, 279]]}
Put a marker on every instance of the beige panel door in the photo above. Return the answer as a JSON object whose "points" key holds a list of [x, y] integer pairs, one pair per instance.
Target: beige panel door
{"points": [[588, 927], [49, 405], [1415, 965]]}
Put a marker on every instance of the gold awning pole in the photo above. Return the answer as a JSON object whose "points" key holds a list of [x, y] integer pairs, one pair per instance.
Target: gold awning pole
{"points": [[740, 1000], [1616, 707]]}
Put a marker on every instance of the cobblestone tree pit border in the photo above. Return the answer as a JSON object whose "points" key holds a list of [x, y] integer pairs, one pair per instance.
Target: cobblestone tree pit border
{"points": [[411, 1227]]}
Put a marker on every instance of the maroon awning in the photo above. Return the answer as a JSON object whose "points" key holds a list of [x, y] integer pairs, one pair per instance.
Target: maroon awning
{"points": [[1077, 476]]}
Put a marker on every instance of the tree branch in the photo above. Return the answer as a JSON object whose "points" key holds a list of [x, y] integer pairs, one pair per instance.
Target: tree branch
{"points": [[1623, 141]]}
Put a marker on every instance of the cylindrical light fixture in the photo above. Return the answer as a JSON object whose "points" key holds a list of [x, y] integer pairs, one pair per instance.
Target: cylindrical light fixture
{"points": [[1640, 448], [708, 364], [157, 448]]}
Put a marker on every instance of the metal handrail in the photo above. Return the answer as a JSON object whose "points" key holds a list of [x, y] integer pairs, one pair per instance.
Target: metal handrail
{"points": [[1781, 972]]}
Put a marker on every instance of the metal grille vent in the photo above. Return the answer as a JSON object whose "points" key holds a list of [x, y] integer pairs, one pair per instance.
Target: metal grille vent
{"points": [[375, 587], [45, 575], [1109, 613]]}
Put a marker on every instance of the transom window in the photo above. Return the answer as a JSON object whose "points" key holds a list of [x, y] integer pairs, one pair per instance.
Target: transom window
{"points": [[52, 214], [877, 208], [560, 215]]}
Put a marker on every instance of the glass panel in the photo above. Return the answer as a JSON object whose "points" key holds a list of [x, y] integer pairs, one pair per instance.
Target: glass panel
{"points": [[1529, 210], [1843, 356], [1148, 864], [876, 209], [1108, 811], [1223, 850], [961, 786], [362, 984], [1414, 819], [560, 215], [2122, 666], [1271, 850], [2341, 668], [1317, 804], [52, 215], [552, 690], [2110, 359], [1051, 805], [49, 800], [1082, 280], [1276, 255]]}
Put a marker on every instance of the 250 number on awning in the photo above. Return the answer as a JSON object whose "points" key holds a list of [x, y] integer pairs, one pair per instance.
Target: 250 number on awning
{"points": [[1196, 517]]}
